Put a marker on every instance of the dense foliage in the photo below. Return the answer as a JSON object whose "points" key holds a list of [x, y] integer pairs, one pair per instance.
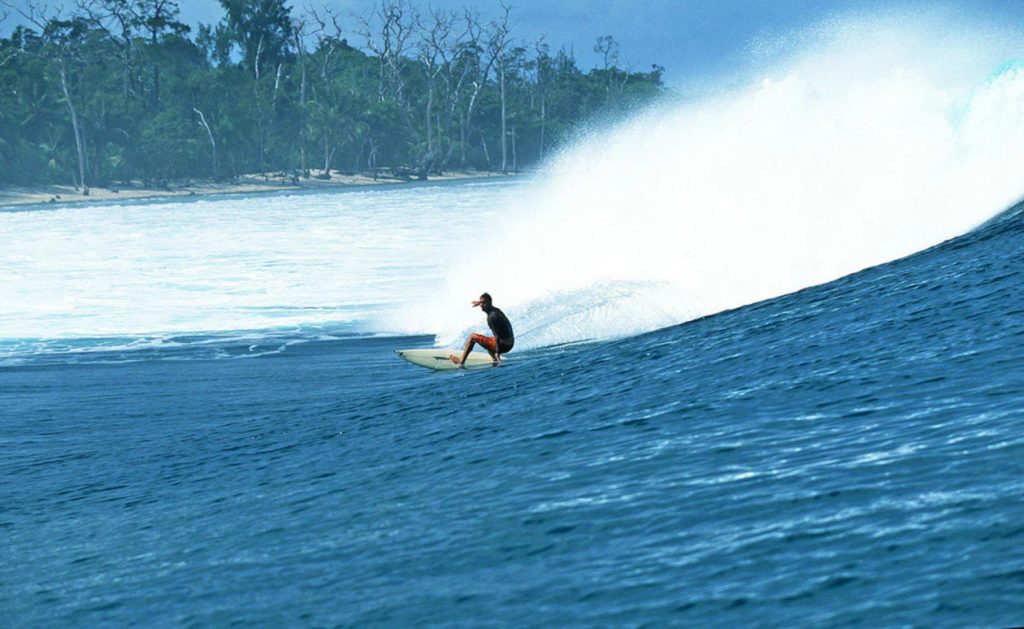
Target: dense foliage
{"points": [[120, 90]]}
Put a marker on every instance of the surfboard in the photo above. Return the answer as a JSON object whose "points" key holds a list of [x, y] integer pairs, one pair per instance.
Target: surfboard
{"points": [[437, 358]]}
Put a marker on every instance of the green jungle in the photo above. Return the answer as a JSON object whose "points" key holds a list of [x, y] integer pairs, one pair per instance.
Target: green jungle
{"points": [[116, 92]]}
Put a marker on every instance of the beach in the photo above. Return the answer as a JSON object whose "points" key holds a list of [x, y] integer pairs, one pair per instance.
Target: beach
{"points": [[245, 184]]}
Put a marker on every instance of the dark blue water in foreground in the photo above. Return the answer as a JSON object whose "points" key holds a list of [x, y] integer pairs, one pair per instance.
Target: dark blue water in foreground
{"points": [[849, 455]]}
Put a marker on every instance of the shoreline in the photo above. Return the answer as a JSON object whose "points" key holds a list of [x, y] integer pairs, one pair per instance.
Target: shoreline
{"points": [[245, 184]]}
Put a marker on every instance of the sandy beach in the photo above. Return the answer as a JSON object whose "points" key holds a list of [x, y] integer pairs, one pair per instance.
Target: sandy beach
{"points": [[246, 184]]}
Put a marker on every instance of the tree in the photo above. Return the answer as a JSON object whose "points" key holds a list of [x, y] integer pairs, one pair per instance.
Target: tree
{"points": [[435, 48], [386, 32], [63, 41], [262, 30], [477, 64], [498, 47], [613, 78], [121, 90], [542, 66], [157, 17]]}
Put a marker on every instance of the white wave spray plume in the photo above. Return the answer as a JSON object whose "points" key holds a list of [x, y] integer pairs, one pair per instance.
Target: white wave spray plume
{"points": [[877, 137]]}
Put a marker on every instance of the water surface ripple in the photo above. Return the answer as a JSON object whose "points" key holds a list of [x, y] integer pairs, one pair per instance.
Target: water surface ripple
{"points": [[851, 454]]}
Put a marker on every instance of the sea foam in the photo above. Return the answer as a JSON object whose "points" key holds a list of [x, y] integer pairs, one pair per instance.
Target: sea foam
{"points": [[857, 142]]}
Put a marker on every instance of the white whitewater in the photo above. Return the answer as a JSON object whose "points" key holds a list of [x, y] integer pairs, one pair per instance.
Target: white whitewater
{"points": [[870, 139], [225, 264]]}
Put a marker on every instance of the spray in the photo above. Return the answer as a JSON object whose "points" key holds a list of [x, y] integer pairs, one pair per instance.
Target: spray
{"points": [[865, 141]]}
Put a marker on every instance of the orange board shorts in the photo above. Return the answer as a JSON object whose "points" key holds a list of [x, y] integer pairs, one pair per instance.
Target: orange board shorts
{"points": [[492, 344], [487, 342]]}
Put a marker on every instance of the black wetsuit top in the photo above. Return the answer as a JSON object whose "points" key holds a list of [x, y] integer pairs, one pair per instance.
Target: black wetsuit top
{"points": [[502, 329]]}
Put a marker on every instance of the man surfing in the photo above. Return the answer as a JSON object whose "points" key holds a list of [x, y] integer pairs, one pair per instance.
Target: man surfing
{"points": [[496, 345]]}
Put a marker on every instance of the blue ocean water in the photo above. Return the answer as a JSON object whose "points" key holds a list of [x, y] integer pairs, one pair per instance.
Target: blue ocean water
{"points": [[769, 370], [850, 454]]}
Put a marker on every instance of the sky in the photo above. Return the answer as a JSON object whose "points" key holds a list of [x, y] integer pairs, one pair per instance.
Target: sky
{"points": [[691, 39]]}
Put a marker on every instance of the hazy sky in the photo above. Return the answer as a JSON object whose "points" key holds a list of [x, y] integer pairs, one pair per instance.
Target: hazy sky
{"points": [[690, 38]]}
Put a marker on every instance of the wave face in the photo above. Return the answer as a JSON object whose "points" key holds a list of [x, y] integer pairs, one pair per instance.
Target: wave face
{"points": [[864, 141]]}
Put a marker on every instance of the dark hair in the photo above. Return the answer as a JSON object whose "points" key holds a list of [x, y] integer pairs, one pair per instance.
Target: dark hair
{"points": [[486, 298]]}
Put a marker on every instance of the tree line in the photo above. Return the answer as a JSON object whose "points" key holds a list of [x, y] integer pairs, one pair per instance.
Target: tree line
{"points": [[121, 91]]}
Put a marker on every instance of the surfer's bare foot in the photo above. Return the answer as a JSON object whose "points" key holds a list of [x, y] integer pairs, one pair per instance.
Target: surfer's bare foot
{"points": [[455, 359]]}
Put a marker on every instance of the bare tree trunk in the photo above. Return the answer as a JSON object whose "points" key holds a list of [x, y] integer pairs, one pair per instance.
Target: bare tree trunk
{"points": [[256, 95], [302, 99], [472, 100], [436, 49], [327, 156], [213, 143], [478, 85], [543, 124], [273, 105], [156, 86], [9, 57], [504, 133], [462, 142], [78, 133], [126, 75], [430, 118], [498, 51], [259, 134]]}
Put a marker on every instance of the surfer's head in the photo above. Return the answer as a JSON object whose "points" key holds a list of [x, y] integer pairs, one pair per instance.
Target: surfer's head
{"points": [[484, 302]]}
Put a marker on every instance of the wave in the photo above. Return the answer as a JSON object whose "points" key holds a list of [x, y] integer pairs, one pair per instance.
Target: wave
{"points": [[862, 140], [854, 143]]}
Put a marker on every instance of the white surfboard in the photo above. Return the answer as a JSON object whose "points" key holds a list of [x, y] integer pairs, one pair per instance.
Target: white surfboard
{"points": [[437, 358]]}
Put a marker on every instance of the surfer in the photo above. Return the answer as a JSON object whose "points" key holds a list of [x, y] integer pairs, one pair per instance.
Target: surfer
{"points": [[496, 345]]}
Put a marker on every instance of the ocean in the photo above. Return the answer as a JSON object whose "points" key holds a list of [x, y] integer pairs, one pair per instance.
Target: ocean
{"points": [[751, 385]]}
